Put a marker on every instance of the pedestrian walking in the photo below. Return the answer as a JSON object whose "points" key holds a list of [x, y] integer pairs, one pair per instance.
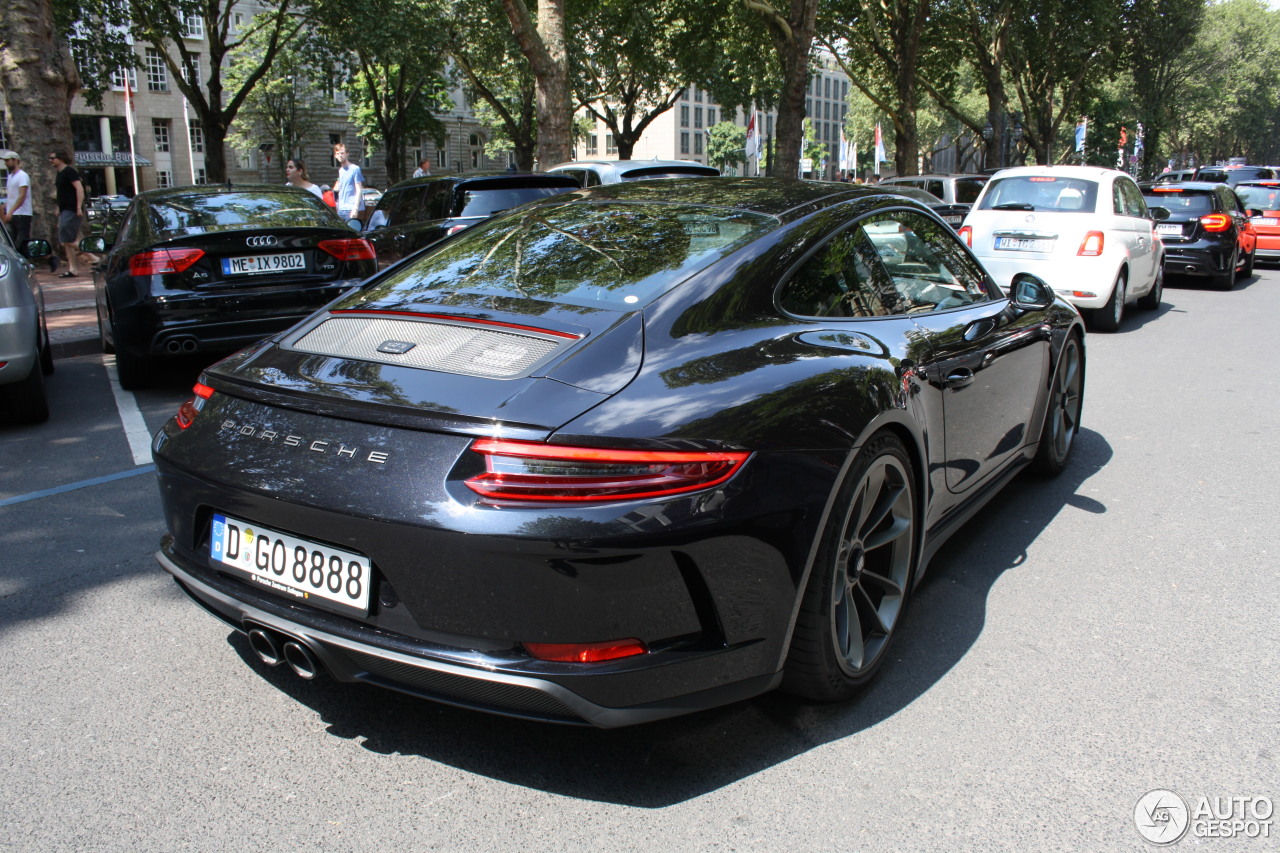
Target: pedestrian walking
{"points": [[70, 192], [296, 171], [16, 211], [424, 168], [349, 187]]}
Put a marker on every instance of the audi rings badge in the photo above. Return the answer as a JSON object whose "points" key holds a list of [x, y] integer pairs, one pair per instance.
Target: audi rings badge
{"points": [[262, 240]]}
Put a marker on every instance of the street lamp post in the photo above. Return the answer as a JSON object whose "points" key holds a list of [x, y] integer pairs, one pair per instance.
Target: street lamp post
{"points": [[987, 132], [460, 148]]}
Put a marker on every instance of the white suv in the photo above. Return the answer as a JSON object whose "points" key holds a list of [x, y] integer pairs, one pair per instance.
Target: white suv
{"points": [[1086, 231]]}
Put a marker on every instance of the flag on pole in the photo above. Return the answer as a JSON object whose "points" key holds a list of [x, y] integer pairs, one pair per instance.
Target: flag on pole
{"points": [[753, 138], [1082, 131], [880, 155], [129, 103], [844, 151]]}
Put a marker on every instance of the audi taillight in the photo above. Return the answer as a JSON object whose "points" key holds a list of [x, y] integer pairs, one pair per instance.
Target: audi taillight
{"points": [[162, 261], [1215, 223], [187, 411], [349, 249], [1091, 245], [529, 471], [585, 652], [966, 233]]}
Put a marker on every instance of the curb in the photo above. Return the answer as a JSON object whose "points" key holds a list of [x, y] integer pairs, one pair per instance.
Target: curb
{"points": [[76, 347]]}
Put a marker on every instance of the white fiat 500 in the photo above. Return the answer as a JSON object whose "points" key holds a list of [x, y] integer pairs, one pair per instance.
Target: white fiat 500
{"points": [[1084, 230]]}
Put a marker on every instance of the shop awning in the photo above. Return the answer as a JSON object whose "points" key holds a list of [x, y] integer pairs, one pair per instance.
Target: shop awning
{"points": [[95, 159]]}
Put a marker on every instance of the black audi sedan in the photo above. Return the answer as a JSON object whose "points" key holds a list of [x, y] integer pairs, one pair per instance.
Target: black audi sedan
{"points": [[415, 213], [214, 268], [621, 454], [1208, 234]]}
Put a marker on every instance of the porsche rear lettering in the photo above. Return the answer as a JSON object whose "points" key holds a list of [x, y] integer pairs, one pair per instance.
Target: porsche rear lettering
{"points": [[318, 445]]}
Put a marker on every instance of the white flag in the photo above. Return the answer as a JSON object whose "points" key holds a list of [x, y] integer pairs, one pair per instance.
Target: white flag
{"points": [[880, 155], [753, 138]]}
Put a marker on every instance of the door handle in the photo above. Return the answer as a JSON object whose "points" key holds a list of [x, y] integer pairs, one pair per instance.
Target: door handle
{"points": [[959, 378]]}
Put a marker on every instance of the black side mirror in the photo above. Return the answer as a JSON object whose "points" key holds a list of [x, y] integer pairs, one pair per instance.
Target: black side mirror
{"points": [[93, 245], [1030, 292], [1158, 214], [36, 249]]}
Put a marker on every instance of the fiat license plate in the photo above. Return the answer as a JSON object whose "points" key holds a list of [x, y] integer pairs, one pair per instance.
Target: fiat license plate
{"points": [[1024, 244], [320, 575], [264, 264]]}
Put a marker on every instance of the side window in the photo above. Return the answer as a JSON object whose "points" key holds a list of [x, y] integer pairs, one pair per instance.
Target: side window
{"points": [[926, 265], [389, 206], [1117, 199], [842, 279], [936, 188], [1133, 202], [579, 175], [592, 179], [439, 196]]}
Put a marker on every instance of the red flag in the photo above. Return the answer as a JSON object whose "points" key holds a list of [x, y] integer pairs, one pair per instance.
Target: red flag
{"points": [[129, 119]]}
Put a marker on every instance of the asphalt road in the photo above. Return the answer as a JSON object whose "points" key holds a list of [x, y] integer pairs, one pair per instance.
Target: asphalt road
{"points": [[1082, 642]]}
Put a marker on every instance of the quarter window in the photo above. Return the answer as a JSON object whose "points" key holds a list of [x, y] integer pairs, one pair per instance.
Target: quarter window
{"points": [[926, 265], [842, 279]]}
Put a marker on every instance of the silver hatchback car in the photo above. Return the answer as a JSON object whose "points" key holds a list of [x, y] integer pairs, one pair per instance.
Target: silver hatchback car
{"points": [[593, 173], [25, 354]]}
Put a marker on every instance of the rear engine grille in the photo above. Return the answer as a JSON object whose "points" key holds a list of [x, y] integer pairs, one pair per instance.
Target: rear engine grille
{"points": [[469, 691], [448, 347]]}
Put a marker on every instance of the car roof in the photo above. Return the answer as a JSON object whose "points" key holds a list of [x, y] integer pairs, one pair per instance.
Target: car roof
{"points": [[1088, 172], [487, 176], [166, 193], [626, 164], [935, 176], [1207, 186]]}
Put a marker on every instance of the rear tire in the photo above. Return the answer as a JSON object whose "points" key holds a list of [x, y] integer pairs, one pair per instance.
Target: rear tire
{"points": [[1227, 280], [107, 346], [131, 371], [1108, 317], [1151, 301], [860, 581], [46, 354], [1247, 272], [25, 402], [1062, 414]]}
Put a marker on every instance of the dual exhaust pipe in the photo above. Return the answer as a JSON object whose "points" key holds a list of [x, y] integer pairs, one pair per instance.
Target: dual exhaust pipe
{"points": [[274, 648], [180, 344]]}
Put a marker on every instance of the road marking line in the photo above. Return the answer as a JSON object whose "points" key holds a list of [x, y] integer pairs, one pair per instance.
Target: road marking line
{"points": [[135, 428], [71, 487]]}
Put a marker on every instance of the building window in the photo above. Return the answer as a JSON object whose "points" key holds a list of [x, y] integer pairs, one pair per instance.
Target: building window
{"points": [[711, 117], [684, 116], [246, 159], [844, 90], [119, 77], [684, 142], [697, 143], [826, 86], [808, 106], [160, 132], [197, 137], [164, 178], [191, 73], [610, 147], [697, 116], [201, 176], [697, 95], [193, 27], [593, 143], [157, 73]]}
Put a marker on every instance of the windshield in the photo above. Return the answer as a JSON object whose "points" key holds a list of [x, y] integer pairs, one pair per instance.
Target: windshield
{"points": [[1181, 201], [968, 189], [648, 172], [201, 213], [1041, 192], [1260, 198], [489, 202], [615, 255]]}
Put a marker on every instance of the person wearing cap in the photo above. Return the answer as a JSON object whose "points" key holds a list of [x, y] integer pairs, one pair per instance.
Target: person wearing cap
{"points": [[16, 210]]}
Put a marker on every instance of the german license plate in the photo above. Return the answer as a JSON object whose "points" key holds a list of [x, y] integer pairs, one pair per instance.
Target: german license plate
{"points": [[320, 575], [953, 220], [1168, 228], [263, 264], [1265, 220], [1024, 244]]}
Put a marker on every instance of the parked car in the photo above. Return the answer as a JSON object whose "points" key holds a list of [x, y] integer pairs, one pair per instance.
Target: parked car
{"points": [[593, 173], [1262, 200], [415, 213], [1232, 175], [103, 210], [371, 197], [1176, 176], [952, 189], [1208, 232], [213, 268], [26, 355], [1084, 230], [623, 454], [952, 214]]}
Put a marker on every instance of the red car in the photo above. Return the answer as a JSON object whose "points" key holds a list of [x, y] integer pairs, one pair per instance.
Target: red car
{"points": [[1264, 197]]}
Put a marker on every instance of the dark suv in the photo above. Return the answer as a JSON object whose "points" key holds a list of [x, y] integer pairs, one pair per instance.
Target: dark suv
{"points": [[1232, 175], [1208, 232], [414, 214]]}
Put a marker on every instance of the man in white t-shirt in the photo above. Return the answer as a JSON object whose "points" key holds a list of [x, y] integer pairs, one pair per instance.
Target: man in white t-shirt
{"points": [[349, 188], [16, 211]]}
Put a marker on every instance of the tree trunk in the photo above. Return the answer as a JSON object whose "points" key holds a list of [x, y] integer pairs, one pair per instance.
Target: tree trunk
{"points": [[39, 79], [793, 39], [545, 48]]}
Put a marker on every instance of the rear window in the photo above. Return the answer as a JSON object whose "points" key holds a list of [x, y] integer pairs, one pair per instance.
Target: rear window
{"points": [[670, 172], [202, 213], [601, 255], [1041, 192], [968, 189], [1260, 198], [487, 202], [1181, 201]]}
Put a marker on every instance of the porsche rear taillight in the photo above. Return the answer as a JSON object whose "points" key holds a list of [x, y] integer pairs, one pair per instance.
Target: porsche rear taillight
{"points": [[530, 471], [162, 261], [585, 652], [966, 234], [1215, 223], [187, 411], [349, 249], [1091, 245]]}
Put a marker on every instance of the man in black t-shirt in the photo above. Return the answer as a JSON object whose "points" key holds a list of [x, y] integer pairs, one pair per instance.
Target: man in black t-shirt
{"points": [[70, 193]]}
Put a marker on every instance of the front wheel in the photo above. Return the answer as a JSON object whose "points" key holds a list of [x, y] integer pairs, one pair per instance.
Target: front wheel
{"points": [[1062, 414], [858, 587]]}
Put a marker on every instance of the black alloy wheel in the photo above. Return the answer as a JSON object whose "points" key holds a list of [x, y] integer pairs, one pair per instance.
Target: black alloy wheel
{"points": [[1062, 415], [1108, 317], [859, 584]]}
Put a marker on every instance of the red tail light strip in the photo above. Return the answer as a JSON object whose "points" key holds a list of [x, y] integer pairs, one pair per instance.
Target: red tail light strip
{"points": [[966, 233], [529, 471], [187, 411], [458, 319], [351, 249], [585, 652], [162, 261], [1215, 222]]}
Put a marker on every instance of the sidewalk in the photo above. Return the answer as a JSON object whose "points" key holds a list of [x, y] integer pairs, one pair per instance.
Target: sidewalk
{"points": [[69, 311]]}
